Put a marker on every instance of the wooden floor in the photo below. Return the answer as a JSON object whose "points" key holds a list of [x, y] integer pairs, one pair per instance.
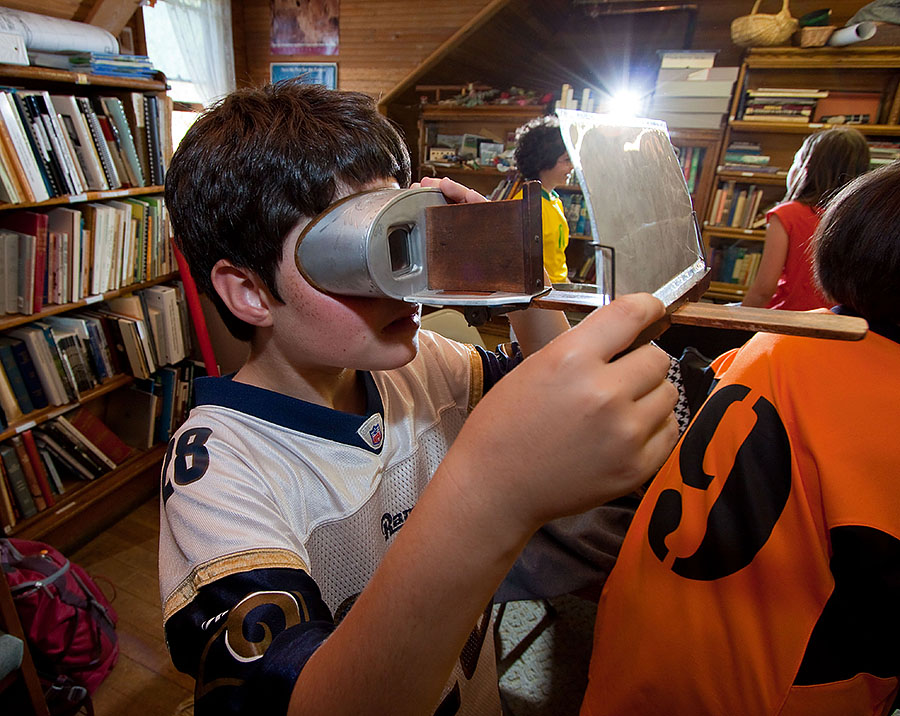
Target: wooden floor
{"points": [[143, 681]]}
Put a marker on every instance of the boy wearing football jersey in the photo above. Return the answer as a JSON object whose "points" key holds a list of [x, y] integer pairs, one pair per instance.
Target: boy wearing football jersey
{"points": [[337, 514]]}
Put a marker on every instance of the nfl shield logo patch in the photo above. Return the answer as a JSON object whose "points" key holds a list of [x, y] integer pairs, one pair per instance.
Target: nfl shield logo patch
{"points": [[372, 431]]}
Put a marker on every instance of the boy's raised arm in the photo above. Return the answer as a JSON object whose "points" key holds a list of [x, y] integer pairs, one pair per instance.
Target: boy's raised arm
{"points": [[568, 429]]}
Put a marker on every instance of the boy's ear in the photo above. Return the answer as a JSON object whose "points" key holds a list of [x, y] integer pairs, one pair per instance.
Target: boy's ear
{"points": [[242, 291]]}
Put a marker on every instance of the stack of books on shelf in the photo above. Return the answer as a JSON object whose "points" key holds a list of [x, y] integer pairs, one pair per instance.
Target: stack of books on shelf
{"points": [[576, 213], [67, 254], [778, 104], [689, 96], [508, 187], [36, 464], [734, 264], [883, 152], [57, 360], [96, 63], [737, 206], [63, 145], [748, 157], [690, 159]]}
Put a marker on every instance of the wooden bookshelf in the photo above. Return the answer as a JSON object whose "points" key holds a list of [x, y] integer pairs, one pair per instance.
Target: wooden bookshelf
{"points": [[16, 319], [30, 75], [89, 501], [87, 196]]}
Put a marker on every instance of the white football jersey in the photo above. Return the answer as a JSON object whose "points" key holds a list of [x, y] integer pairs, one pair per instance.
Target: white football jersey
{"points": [[255, 479]]}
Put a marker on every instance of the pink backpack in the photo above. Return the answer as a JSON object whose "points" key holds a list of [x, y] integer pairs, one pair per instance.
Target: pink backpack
{"points": [[69, 623]]}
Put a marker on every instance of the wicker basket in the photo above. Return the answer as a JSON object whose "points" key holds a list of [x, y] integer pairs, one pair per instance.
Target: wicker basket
{"points": [[760, 30], [815, 36]]}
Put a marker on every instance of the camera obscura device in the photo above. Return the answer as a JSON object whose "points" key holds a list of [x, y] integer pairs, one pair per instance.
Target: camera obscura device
{"points": [[411, 245]]}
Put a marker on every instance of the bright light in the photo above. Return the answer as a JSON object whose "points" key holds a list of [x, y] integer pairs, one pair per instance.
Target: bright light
{"points": [[625, 102]]}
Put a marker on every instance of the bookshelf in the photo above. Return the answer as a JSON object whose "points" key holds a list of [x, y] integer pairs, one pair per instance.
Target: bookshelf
{"points": [[116, 249], [863, 78], [493, 121]]}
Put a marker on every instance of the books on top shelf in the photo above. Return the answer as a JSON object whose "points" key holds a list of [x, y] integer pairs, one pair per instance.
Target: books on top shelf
{"points": [[64, 145], [66, 254], [743, 157], [95, 63], [693, 98], [780, 104]]}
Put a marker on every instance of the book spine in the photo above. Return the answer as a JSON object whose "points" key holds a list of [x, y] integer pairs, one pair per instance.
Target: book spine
{"points": [[38, 467], [7, 510], [22, 146], [16, 381], [21, 493], [29, 374], [106, 160], [28, 470]]}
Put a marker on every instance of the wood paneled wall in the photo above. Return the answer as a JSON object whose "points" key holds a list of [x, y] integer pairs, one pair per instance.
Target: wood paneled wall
{"points": [[381, 41]]}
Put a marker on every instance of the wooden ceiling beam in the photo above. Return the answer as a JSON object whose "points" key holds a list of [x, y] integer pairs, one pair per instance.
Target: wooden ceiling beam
{"points": [[112, 15]]}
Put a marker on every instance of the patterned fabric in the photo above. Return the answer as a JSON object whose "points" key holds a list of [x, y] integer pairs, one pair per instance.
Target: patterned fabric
{"points": [[795, 290], [761, 573]]}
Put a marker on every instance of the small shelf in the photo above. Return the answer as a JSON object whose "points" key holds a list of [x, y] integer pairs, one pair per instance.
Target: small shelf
{"points": [[48, 74], [740, 125], [80, 496], [754, 177], [11, 320], [735, 233], [42, 415], [726, 291], [485, 171], [490, 112], [87, 196]]}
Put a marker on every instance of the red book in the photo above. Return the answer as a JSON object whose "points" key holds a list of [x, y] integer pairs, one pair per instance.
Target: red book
{"points": [[30, 476], [34, 224], [100, 435], [37, 465]]}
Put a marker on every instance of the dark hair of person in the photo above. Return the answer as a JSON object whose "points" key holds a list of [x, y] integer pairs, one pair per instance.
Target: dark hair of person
{"points": [[539, 145], [828, 160], [856, 248], [261, 160]]}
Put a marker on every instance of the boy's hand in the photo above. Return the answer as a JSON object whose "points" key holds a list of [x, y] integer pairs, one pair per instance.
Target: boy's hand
{"points": [[571, 428], [455, 192]]}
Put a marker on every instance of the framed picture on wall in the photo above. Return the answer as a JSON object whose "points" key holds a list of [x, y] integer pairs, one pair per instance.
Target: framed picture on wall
{"points": [[313, 73]]}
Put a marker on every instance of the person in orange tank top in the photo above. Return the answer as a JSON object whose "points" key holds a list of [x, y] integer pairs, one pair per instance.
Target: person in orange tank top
{"points": [[824, 163], [761, 572]]}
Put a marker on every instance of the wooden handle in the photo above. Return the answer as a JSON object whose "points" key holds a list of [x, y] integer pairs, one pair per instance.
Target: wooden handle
{"points": [[795, 323]]}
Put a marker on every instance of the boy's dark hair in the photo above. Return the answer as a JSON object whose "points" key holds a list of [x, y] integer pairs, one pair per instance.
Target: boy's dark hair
{"points": [[251, 167], [856, 248], [828, 160], [539, 145]]}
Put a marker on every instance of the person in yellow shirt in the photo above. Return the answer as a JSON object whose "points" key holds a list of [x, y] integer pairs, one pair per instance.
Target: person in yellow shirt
{"points": [[541, 156]]}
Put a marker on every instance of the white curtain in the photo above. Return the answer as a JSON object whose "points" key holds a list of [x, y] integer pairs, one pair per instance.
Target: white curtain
{"points": [[190, 40]]}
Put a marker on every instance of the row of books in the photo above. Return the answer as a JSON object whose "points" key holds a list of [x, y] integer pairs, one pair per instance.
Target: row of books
{"points": [[734, 264], [575, 210], [39, 464], [691, 97], [806, 105], [54, 361], [66, 254], [748, 157], [59, 145], [883, 152], [737, 206], [36, 464], [690, 159], [110, 64], [508, 187]]}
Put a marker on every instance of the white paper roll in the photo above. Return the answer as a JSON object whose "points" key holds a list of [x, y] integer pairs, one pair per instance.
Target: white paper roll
{"points": [[854, 33]]}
